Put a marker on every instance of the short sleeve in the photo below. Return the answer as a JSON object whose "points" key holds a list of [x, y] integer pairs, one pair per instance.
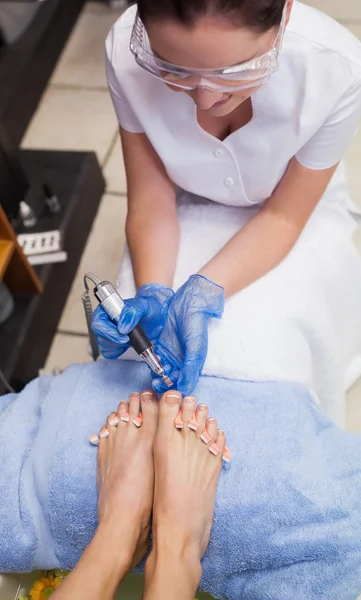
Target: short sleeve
{"points": [[125, 114], [328, 146]]}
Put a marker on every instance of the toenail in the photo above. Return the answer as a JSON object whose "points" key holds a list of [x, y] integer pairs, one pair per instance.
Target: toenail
{"points": [[189, 400], [104, 434], [134, 394], [193, 423], [113, 421], [227, 455], [211, 420], [179, 421], [205, 437], [125, 417], [172, 398], [137, 422], [202, 407], [214, 449], [147, 396], [94, 439]]}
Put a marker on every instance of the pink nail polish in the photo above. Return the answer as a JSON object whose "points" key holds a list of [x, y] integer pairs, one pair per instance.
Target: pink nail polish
{"points": [[104, 434], [125, 417], [94, 440], [179, 421], [227, 455], [214, 449], [193, 423], [138, 421], [205, 437], [113, 421]]}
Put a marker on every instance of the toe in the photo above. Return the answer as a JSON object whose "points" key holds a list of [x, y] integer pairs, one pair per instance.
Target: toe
{"points": [[134, 408], [201, 418], [188, 409], [149, 404], [212, 430], [169, 407], [123, 411], [112, 422], [103, 433], [221, 441]]}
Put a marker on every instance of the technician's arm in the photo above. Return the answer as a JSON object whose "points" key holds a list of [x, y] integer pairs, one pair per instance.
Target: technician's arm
{"points": [[152, 226], [267, 239]]}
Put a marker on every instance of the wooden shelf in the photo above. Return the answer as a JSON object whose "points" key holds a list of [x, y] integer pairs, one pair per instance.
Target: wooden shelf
{"points": [[17, 273], [7, 248]]}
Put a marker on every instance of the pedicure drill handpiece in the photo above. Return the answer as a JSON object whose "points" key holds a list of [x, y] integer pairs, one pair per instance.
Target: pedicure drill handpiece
{"points": [[112, 303]]}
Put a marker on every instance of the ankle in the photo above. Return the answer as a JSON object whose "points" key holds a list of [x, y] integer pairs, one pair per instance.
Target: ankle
{"points": [[171, 555], [166, 571]]}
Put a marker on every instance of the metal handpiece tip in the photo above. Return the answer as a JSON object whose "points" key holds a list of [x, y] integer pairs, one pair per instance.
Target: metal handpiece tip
{"points": [[168, 382]]}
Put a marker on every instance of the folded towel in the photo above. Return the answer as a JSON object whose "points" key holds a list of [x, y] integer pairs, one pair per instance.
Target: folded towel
{"points": [[301, 322], [288, 514]]}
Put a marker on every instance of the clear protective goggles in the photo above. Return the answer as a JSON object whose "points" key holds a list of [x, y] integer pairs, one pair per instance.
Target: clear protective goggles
{"points": [[250, 74]]}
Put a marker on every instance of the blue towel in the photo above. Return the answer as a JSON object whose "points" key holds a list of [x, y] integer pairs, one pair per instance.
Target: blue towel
{"points": [[287, 519]]}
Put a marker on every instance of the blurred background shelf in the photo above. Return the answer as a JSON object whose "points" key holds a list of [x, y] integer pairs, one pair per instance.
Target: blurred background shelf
{"points": [[25, 338], [6, 251]]}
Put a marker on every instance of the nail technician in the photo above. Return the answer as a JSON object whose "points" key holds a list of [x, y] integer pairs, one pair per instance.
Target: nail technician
{"points": [[242, 102]]}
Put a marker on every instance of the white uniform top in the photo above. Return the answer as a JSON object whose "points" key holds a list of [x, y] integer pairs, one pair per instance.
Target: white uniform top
{"points": [[309, 109]]}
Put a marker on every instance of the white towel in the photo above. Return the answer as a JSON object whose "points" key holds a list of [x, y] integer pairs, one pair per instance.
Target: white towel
{"points": [[301, 322]]}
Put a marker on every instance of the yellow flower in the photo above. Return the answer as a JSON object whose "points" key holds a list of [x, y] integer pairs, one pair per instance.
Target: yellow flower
{"points": [[46, 585]]}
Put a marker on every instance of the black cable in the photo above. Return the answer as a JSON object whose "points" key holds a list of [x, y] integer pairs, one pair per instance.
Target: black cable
{"points": [[6, 383]]}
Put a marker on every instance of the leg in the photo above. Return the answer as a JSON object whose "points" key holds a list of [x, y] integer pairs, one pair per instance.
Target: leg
{"points": [[188, 463], [125, 482]]}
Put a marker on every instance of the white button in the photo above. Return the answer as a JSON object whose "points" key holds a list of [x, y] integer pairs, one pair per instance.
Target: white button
{"points": [[229, 181], [218, 153]]}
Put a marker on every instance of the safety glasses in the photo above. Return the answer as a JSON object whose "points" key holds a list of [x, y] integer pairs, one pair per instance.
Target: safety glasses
{"points": [[250, 74]]}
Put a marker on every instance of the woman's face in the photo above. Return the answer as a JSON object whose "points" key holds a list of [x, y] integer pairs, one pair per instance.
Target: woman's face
{"points": [[212, 43]]}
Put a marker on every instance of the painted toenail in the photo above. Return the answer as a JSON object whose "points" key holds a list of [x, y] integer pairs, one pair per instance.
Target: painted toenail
{"points": [[178, 422], [104, 434], [214, 449], [227, 455], [125, 417], [202, 407], [189, 400], [193, 423], [147, 396], [94, 439], [138, 421], [173, 398], [134, 395], [113, 421], [205, 437]]}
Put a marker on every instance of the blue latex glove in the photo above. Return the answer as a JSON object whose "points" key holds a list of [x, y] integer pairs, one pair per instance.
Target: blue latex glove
{"points": [[183, 344], [149, 308]]}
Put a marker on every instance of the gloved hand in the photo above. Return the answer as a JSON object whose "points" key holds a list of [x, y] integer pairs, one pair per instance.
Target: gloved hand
{"points": [[149, 308], [183, 344]]}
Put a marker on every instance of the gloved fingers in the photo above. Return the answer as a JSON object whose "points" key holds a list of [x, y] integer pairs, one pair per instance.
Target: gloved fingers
{"points": [[102, 326], [195, 348], [158, 384], [188, 378], [134, 310], [109, 349]]}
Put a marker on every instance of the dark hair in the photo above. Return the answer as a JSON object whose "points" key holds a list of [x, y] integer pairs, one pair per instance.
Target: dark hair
{"points": [[260, 15]]}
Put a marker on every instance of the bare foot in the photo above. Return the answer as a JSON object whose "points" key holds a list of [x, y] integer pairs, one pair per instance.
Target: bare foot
{"points": [[188, 463], [125, 472]]}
